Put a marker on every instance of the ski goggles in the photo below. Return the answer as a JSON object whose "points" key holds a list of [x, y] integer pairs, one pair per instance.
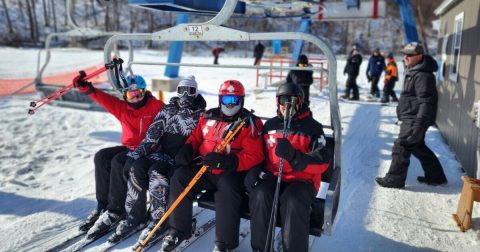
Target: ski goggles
{"points": [[190, 91], [283, 99], [230, 100], [136, 93]]}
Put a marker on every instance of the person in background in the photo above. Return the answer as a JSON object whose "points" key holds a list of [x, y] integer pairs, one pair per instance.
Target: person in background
{"points": [[302, 78], [376, 65], [305, 158], [391, 76], [226, 169], [416, 110], [135, 112], [216, 53], [154, 159], [352, 68], [258, 53]]}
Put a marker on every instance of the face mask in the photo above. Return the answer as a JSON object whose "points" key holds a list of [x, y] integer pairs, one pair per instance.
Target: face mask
{"points": [[186, 100], [230, 111]]}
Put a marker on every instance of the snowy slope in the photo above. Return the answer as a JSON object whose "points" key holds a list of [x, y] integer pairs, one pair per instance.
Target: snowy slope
{"points": [[47, 180]]}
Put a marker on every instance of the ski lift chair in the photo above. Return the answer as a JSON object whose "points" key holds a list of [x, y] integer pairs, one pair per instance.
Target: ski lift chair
{"points": [[323, 210]]}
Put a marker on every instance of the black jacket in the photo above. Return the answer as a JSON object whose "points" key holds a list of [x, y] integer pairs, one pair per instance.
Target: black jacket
{"points": [[353, 65], [301, 77], [418, 100], [258, 50]]}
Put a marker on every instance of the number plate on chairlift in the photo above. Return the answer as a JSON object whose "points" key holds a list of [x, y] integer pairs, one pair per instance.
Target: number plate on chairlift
{"points": [[195, 30]]}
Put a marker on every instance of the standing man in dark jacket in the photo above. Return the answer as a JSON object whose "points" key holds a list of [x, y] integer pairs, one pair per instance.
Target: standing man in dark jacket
{"points": [[226, 170], [304, 161], [302, 78], [352, 68], [135, 113], [416, 110], [376, 65], [258, 52]]}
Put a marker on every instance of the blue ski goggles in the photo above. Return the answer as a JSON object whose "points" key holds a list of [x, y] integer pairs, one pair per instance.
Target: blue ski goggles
{"points": [[190, 91], [230, 100]]}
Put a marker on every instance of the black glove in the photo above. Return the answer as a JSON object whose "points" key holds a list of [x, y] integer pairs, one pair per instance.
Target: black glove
{"points": [[83, 85], [184, 155], [417, 136], [369, 78], [254, 176], [285, 149], [215, 160]]}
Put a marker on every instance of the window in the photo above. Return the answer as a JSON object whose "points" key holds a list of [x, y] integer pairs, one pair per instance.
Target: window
{"points": [[457, 44]]}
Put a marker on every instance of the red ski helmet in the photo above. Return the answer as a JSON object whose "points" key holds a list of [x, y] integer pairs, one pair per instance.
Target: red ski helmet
{"points": [[231, 97], [231, 87]]}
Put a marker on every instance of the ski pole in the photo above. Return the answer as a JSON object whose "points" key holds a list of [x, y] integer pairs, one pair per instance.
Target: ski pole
{"points": [[273, 214], [61, 92], [230, 135]]}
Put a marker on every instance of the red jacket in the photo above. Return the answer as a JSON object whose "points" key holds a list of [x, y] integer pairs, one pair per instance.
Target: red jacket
{"points": [[307, 137], [247, 144], [135, 122]]}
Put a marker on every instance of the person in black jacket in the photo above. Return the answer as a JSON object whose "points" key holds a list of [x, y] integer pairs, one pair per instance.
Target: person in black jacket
{"points": [[352, 68], [416, 110], [258, 53], [305, 158], [302, 78]]}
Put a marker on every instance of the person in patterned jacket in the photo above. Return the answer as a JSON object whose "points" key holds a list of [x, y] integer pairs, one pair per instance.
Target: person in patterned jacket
{"points": [[304, 161], [135, 113], [154, 159], [226, 170]]}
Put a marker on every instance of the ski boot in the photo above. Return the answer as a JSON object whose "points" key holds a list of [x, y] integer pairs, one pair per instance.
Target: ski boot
{"points": [[106, 222], [90, 221]]}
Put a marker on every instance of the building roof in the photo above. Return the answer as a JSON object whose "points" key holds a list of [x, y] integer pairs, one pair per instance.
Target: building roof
{"points": [[445, 6]]}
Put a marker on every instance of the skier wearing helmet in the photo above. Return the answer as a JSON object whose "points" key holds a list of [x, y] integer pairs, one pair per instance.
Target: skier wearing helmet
{"points": [[304, 160], [135, 113], [226, 170]]}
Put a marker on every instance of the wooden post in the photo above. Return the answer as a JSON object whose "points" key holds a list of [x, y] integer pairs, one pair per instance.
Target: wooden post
{"points": [[470, 193]]}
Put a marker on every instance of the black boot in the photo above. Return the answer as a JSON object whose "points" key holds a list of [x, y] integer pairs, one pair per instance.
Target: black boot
{"points": [[424, 180], [172, 240], [385, 182]]}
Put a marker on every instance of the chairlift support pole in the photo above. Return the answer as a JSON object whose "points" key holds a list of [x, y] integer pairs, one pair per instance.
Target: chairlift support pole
{"points": [[176, 49], [213, 31], [298, 47]]}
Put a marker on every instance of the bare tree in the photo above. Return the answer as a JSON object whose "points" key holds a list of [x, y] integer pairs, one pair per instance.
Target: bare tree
{"points": [[45, 13], [94, 12], [32, 20], [9, 22], [52, 5]]}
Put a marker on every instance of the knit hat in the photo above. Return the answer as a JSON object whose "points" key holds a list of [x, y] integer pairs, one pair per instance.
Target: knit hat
{"points": [[188, 81]]}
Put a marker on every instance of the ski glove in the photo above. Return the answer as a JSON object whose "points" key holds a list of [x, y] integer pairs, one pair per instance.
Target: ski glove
{"points": [[255, 176], [184, 155], [83, 85], [285, 149], [215, 160], [417, 136]]}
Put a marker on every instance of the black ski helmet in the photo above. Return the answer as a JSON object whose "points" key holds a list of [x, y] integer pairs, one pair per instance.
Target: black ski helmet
{"points": [[291, 89]]}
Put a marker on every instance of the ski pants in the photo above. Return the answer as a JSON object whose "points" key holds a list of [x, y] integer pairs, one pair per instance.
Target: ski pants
{"points": [[295, 201], [374, 91], [352, 86], [388, 91], [229, 193], [401, 158], [110, 178], [147, 174]]}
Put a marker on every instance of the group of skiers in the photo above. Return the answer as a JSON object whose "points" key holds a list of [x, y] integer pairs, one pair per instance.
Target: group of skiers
{"points": [[163, 147], [376, 66]]}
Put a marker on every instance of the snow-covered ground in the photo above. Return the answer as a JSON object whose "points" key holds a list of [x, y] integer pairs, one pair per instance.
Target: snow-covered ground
{"points": [[47, 178]]}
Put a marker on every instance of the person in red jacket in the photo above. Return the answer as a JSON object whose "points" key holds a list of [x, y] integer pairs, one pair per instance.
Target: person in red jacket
{"points": [[216, 53], [135, 113], [304, 161], [226, 170]]}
